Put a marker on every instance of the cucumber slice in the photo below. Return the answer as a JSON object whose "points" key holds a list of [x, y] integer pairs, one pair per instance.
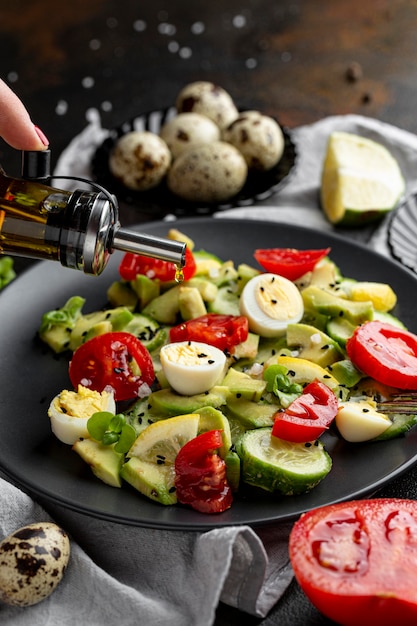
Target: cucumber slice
{"points": [[401, 424], [273, 464], [226, 302], [147, 330]]}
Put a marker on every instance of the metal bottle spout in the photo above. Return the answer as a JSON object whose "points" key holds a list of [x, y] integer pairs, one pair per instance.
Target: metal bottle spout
{"points": [[149, 245]]}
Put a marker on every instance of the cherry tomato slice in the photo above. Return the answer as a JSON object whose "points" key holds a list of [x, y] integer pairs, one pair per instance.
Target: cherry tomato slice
{"points": [[134, 264], [289, 262], [200, 474], [386, 353], [111, 360], [307, 417], [357, 561], [221, 331]]}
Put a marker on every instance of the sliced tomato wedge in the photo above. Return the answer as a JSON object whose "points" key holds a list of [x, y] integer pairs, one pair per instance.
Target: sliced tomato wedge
{"points": [[308, 416], [289, 262], [386, 353], [200, 474], [221, 331], [357, 561], [117, 360], [134, 264]]}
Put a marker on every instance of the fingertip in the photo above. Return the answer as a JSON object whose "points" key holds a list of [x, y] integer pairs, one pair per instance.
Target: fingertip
{"points": [[41, 135]]}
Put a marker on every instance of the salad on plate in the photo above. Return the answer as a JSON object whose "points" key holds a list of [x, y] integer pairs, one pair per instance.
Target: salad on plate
{"points": [[195, 391]]}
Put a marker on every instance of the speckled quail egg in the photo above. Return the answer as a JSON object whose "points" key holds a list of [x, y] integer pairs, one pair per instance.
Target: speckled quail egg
{"points": [[258, 137], [208, 99], [33, 560], [70, 411], [186, 130], [140, 160], [212, 172]]}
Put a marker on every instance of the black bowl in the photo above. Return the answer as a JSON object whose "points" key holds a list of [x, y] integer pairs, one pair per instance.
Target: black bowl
{"points": [[161, 201]]}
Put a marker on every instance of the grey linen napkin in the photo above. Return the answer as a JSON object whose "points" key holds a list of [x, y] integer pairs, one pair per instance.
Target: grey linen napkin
{"points": [[152, 577]]}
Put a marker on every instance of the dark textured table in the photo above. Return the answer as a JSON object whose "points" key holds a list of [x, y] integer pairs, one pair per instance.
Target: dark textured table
{"points": [[298, 61]]}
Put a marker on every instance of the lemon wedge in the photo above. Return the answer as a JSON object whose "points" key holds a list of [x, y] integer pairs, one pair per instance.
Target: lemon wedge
{"points": [[150, 468], [161, 441], [381, 295], [361, 180]]}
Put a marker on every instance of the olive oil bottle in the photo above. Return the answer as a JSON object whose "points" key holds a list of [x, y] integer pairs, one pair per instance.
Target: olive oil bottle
{"points": [[80, 229]]}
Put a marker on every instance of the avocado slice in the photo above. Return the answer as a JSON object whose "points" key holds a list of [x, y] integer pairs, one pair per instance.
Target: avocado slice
{"points": [[313, 344], [167, 402], [104, 461], [213, 419], [152, 480], [242, 385], [328, 304], [250, 414], [117, 318], [146, 289], [120, 293], [57, 325]]}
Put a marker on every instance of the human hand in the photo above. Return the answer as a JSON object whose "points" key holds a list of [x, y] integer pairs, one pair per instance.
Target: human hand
{"points": [[16, 127]]}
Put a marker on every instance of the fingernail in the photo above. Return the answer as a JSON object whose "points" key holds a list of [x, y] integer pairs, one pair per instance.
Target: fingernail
{"points": [[42, 136]]}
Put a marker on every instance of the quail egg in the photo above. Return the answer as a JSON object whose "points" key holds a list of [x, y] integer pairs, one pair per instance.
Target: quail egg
{"points": [[258, 137], [140, 160], [271, 302], [70, 411], [192, 367], [208, 99], [186, 130], [212, 172], [33, 560]]}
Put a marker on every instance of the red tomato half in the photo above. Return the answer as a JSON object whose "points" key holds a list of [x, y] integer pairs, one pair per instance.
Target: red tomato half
{"points": [[221, 331], [357, 561], [200, 474], [289, 262], [308, 416], [386, 353], [134, 264], [118, 360]]}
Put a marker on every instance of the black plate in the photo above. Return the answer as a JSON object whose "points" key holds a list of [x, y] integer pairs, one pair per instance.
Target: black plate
{"points": [[402, 233], [31, 376], [160, 201]]}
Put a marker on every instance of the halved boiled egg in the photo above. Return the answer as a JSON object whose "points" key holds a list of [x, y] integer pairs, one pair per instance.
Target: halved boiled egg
{"points": [[271, 302], [192, 367], [360, 421], [70, 411]]}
